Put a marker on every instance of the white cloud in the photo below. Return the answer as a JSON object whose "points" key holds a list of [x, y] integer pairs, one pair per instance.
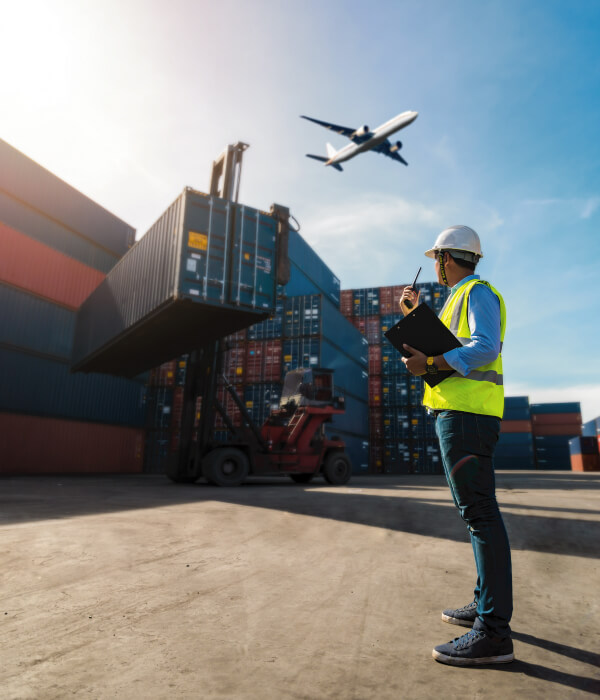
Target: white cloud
{"points": [[588, 395], [589, 207]]}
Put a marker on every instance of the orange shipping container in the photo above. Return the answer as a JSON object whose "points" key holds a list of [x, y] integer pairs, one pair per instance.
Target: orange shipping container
{"points": [[556, 419], [585, 463], [36, 445], [30, 265], [515, 426]]}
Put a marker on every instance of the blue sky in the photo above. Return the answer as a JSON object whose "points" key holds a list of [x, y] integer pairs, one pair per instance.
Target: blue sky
{"points": [[131, 100]]}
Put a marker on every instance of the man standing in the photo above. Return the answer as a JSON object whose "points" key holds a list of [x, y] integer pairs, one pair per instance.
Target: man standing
{"points": [[468, 407]]}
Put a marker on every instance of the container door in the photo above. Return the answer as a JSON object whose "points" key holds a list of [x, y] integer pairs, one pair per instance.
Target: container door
{"points": [[204, 250], [252, 272]]}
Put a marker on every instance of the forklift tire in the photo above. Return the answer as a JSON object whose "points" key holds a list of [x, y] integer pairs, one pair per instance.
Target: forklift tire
{"points": [[302, 478], [226, 466], [337, 468]]}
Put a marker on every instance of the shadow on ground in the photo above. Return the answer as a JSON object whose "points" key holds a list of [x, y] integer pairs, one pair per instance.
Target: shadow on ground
{"points": [[371, 501]]}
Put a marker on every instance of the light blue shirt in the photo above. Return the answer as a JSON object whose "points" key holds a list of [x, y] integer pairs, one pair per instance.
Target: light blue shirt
{"points": [[484, 323]]}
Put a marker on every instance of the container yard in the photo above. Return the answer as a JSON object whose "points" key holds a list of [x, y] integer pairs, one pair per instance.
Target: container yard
{"points": [[286, 588]]}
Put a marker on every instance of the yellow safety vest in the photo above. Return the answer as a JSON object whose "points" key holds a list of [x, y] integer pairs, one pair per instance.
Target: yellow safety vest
{"points": [[480, 391]]}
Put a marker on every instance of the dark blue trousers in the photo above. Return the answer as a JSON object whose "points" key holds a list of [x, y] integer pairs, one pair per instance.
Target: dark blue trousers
{"points": [[467, 443]]}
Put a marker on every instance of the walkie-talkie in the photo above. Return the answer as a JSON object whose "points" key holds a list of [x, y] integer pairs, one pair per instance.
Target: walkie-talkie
{"points": [[406, 302]]}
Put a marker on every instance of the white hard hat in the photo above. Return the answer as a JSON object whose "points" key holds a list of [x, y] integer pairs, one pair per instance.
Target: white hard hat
{"points": [[458, 240]]}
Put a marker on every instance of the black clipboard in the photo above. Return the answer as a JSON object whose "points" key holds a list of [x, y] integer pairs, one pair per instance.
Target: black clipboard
{"points": [[423, 330]]}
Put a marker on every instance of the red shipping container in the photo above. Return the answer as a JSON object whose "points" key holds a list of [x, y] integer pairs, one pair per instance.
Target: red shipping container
{"points": [[515, 426], [556, 419], [375, 391], [585, 463], [233, 412], [36, 445], [254, 360], [272, 356], [33, 266], [385, 300], [237, 338], [360, 324], [374, 360], [164, 375], [553, 429], [346, 302], [373, 330]]}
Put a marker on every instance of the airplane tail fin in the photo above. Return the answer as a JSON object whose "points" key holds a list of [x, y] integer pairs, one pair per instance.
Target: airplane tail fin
{"points": [[337, 166], [331, 150]]}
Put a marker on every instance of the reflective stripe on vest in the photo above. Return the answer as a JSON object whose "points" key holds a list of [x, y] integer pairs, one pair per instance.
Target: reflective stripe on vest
{"points": [[481, 391]]}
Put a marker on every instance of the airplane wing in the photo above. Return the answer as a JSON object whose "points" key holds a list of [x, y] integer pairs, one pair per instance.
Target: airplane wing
{"points": [[385, 149], [343, 130]]}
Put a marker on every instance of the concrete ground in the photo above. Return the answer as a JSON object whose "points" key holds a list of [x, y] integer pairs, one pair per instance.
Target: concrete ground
{"points": [[133, 587]]}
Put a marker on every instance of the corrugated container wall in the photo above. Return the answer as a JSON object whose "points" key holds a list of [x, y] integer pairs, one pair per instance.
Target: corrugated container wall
{"points": [[26, 181], [207, 268]]}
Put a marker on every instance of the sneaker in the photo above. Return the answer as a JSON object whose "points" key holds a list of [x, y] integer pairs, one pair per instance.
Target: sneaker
{"points": [[464, 616], [474, 648]]}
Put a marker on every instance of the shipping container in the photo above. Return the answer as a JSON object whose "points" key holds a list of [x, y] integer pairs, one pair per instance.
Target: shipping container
{"points": [[514, 462], [356, 447], [515, 439], [389, 299], [516, 408], [591, 428], [556, 419], [583, 445], [308, 270], [36, 445], [374, 360], [263, 361], [234, 363], [164, 375], [391, 361], [271, 327], [585, 463], [515, 426], [33, 266], [571, 430], [549, 408], [260, 399], [28, 322], [30, 183], [365, 302], [205, 269], [375, 458], [37, 385], [27, 221], [346, 302]]}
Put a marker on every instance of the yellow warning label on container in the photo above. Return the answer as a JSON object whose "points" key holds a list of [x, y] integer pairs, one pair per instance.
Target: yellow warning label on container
{"points": [[239, 370], [249, 404], [182, 364], [169, 374], [197, 240], [386, 422], [246, 256], [415, 421], [436, 294], [287, 358], [385, 389], [385, 358]]}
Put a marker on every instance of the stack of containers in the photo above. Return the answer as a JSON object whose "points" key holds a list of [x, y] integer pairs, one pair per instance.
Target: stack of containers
{"points": [[515, 445], [306, 330], [56, 246], [584, 454], [553, 426], [401, 433]]}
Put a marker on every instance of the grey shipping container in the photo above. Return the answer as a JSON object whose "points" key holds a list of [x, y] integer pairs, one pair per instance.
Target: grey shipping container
{"points": [[25, 180], [205, 269]]}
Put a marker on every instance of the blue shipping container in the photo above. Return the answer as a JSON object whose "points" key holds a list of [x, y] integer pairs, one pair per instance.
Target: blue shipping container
{"points": [[26, 321], [545, 408], [40, 386], [308, 273]]}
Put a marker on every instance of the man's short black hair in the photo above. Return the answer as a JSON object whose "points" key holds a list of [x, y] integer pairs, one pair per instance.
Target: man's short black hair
{"points": [[464, 263]]}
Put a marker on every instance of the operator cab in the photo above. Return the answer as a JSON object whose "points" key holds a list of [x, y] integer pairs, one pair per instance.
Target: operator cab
{"points": [[309, 387]]}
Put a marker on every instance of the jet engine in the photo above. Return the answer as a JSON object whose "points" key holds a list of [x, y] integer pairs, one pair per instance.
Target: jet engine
{"points": [[396, 147], [363, 131]]}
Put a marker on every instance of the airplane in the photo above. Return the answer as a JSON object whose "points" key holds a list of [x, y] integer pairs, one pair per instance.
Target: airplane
{"points": [[363, 139]]}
